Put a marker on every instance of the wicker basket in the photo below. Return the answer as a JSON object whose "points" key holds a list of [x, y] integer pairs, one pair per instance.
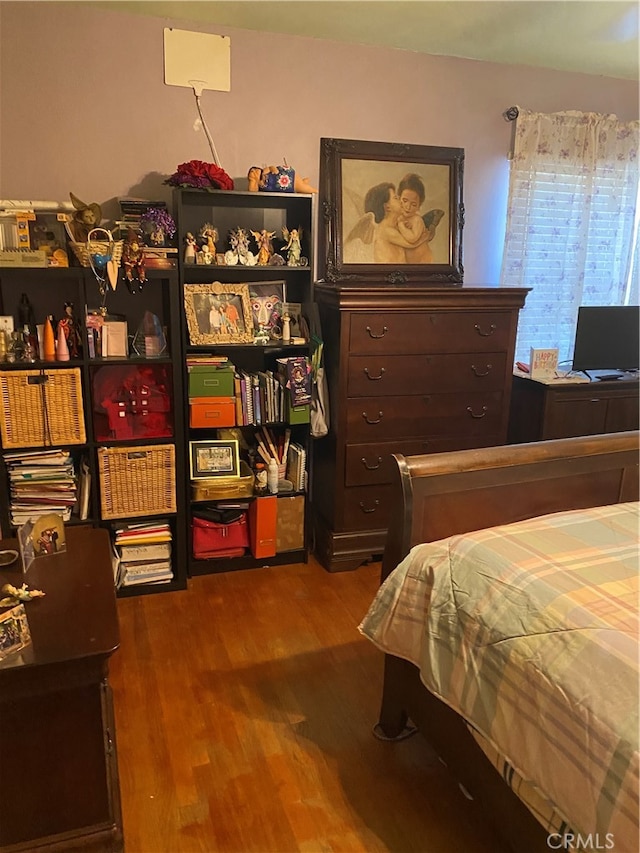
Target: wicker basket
{"points": [[137, 480], [83, 250], [41, 407]]}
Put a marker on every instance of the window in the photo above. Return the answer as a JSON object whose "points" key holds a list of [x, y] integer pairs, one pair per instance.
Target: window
{"points": [[572, 222]]}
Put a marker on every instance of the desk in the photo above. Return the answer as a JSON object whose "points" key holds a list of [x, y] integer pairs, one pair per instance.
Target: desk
{"points": [[59, 787], [566, 409]]}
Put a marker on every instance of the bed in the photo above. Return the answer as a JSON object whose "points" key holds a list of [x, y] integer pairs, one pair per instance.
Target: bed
{"points": [[481, 593]]}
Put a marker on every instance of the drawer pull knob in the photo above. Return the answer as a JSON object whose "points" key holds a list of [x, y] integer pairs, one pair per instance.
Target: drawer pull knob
{"points": [[482, 334], [371, 508], [474, 415], [367, 420], [377, 337], [371, 467], [482, 372], [374, 378]]}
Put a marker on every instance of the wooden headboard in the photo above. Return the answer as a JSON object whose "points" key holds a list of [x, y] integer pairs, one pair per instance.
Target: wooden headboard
{"points": [[441, 494]]}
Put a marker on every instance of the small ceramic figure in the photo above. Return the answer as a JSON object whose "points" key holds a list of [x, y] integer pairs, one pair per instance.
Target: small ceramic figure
{"points": [[207, 257], [286, 329], [265, 247], [86, 217], [239, 240], [189, 248], [210, 234], [293, 247], [69, 326], [133, 258]]}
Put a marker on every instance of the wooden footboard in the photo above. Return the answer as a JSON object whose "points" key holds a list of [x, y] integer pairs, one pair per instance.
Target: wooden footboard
{"points": [[448, 493], [441, 494]]}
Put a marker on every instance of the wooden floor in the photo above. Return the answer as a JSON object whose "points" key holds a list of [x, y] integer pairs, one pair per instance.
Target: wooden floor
{"points": [[244, 710]]}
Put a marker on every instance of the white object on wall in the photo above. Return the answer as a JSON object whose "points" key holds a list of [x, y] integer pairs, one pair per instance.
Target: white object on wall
{"points": [[197, 60]]}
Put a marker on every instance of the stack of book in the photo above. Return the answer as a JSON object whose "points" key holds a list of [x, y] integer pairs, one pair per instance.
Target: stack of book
{"points": [[41, 482], [142, 554], [260, 398]]}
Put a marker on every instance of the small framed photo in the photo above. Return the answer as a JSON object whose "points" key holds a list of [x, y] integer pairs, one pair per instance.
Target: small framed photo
{"points": [[41, 537], [218, 313], [266, 300], [6, 324], [209, 459], [14, 630]]}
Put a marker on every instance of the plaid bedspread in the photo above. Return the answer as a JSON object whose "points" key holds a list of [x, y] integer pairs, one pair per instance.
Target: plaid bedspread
{"points": [[530, 632]]}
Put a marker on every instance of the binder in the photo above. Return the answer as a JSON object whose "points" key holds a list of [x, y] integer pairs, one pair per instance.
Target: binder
{"points": [[263, 515]]}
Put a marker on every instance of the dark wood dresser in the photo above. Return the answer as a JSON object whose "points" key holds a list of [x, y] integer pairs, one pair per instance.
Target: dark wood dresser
{"points": [[59, 786], [410, 370], [567, 409]]}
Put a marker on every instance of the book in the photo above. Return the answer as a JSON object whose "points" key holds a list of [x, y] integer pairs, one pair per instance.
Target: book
{"points": [[543, 363], [148, 552]]}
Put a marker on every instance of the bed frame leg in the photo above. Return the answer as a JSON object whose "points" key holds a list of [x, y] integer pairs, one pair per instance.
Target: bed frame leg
{"points": [[393, 723]]}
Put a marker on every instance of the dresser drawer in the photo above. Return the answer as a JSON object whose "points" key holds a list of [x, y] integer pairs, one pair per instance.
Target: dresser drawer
{"points": [[377, 375], [371, 419], [426, 332], [367, 507], [371, 464]]}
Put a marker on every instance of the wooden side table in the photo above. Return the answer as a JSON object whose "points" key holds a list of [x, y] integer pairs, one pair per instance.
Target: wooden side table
{"points": [[59, 785]]}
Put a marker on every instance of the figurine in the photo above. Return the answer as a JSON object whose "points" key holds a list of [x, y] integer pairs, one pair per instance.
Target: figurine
{"points": [[239, 252], [207, 257], [189, 248], [15, 595], [265, 246], [133, 258], [210, 234], [86, 217], [293, 247], [68, 325], [277, 179]]}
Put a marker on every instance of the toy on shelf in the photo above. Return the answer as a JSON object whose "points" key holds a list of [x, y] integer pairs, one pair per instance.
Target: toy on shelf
{"points": [[277, 179], [190, 248], [239, 252], [265, 247], [133, 259], [294, 247], [86, 217]]}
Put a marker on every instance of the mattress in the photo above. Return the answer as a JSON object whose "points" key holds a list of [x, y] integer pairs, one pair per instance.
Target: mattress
{"points": [[530, 632]]}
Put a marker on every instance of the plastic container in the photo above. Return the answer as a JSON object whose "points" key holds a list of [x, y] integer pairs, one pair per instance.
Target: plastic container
{"points": [[272, 477]]}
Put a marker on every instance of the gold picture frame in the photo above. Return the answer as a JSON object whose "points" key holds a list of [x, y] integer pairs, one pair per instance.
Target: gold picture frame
{"points": [[218, 314]]}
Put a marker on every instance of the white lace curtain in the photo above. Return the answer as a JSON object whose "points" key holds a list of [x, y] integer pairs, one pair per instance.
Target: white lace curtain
{"points": [[572, 221]]}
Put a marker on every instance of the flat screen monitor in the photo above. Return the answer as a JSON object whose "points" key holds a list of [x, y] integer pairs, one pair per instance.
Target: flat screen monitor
{"points": [[607, 338]]}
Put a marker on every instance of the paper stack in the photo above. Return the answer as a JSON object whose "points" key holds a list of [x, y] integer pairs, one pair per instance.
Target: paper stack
{"points": [[41, 482], [142, 554]]}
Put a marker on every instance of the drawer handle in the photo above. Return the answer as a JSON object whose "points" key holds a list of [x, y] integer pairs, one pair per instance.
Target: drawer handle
{"points": [[369, 509], [482, 334], [371, 467], [377, 337], [366, 418], [374, 378], [480, 373], [473, 414]]}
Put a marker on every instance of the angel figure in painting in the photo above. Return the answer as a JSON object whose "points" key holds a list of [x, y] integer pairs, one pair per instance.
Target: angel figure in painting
{"points": [[265, 247], [380, 226], [293, 247]]}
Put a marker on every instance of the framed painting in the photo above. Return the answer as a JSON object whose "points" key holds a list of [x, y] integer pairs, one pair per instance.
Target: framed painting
{"points": [[218, 313], [392, 213], [214, 459]]}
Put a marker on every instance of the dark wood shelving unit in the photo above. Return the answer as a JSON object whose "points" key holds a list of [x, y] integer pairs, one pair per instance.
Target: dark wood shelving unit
{"points": [[227, 210], [48, 290]]}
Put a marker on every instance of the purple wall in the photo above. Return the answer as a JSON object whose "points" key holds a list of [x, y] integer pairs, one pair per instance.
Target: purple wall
{"points": [[84, 107]]}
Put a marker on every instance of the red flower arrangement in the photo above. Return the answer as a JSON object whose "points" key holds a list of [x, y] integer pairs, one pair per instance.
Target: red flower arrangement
{"points": [[201, 175]]}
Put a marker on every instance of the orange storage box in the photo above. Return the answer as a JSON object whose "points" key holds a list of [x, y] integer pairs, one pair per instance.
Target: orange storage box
{"points": [[212, 412]]}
